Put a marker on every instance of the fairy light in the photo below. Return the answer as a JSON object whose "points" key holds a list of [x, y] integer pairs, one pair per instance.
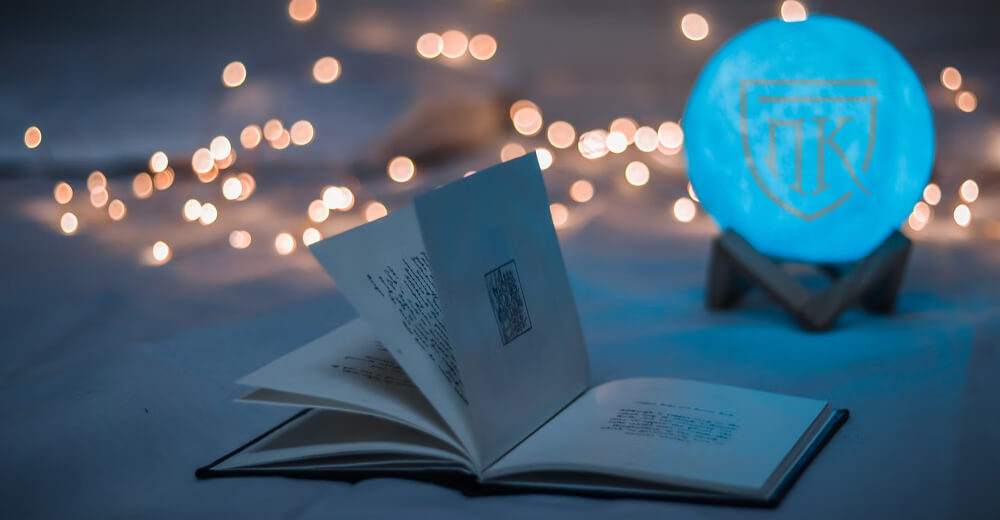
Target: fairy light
{"points": [[68, 223], [272, 129], [202, 161], [163, 180], [302, 133], [951, 78], [234, 74], [63, 193], [694, 26], [116, 210], [692, 194], [284, 243], [375, 210], [192, 210], [646, 139], [98, 198], [482, 47], [32, 137], [626, 126], [637, 173], [158, 162], [96, 181], [310, 236], [932, 194], [966, 101], [792, 11], [962, 215], [430, 45], [161, 252], [561, 134], [453, 43], [528, 121], [239, 239], [684, 210], [302, 11], [401, 169], [593, 144], [560, 214], [317, 211], [220, 147], [616, 142], [208, 214], [511, 151], [250, 137], [969, 191], [544, 158], [670, 135], [581, 191], [232, 188], [326, 70]]}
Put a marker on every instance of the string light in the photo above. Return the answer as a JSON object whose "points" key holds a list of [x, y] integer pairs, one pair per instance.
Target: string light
{"points": [[962, 215], [284, 243], [966, 101], [401, 169], [453, 43], [951, 78], [560, 215], [161, 252], [250, 137], [694, 26], [234, 74], [63, 193], [511, 151], [68, 223], [32, 137], [684, 210], [792, 11], [375, 210], [932, 194], [482, 47], [326, 70], [646, 139], [158, 162], [581, 191], [969, 191], [561, 134], [302, 11], [544, 158], [310, 236], [430, 45], [116, 210], [302, 133], [637, 173], [208, 214], [239, 239], [192, 210]]}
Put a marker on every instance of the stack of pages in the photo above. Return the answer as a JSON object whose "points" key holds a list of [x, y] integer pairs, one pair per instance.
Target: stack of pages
{"points": [[467, 366]]}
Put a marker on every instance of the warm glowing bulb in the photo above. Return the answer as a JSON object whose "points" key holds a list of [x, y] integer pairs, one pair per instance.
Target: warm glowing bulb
{"points": [[932, 194], [401, 169], [593, 144], [544, 158], [684, 209], [234, 74], [32, 137], [116, 210], [637, 173], [310, 236], [561, 134], [284, 243], [326, 70], [192, 210], [375, 211], [63, 193], [951, 78], [963, 215], [232, 188], [317, 211], [966, 101], [158, 162], [511, 151], [581, 191], [220, 148], [670, 135], [969, 191], [250, 136], [453, 43], [616, 142], [694, 26], [68, 223], [528, 121], [239, 239], [560, 214], [302, 10], [482, 47], [429, 45], [302, 133], [96, 181], [792, 11]]}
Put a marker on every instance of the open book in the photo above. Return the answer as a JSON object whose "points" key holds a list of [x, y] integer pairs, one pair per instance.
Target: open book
{"points": [[468, 365]]}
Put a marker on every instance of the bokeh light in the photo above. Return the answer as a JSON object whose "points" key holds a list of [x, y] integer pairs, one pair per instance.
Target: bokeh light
{"points": [[317, 211], [792, 11], [310, 236], [922, 211], [528, 121], [593, 144], [191, 210], [375, 210], [272, 129], [202, 161], [220, 147], [284, 243], [401, 169], [326, 70], [68, 223], [691, 193], [302, 133], [581, 191], [482, 47], [158, 162], [951, 78], [616, 142], [969, 191], [511, 151], [966, 101], [32, 137], [98, 198], [161, 252], [250, 137], [232, 188], [962, 215], [453, 43], [626, 126], [646, 139], [670, 135], [239, 239], [116, 210], [142, 185], [637, 173], [915, 223], [516, 106], [302, 10], [208, 214], [932, 194], [63, 193], [694, 26], [96, 181], [163, 180], [684, 209], [561, 134], [234, 74], [429, 45], [248, 183], [544, 158], [560, 214]]}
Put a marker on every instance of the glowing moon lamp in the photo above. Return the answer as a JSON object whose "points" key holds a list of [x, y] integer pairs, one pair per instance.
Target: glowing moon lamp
{"points": [[812, 140]]}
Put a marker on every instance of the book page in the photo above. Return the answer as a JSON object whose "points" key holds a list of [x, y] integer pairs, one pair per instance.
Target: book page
{"points": [[347, 369], [381, 269], [670, 431], [508, 306]]}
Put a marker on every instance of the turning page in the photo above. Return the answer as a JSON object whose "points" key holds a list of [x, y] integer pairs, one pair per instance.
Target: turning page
{"points": [[507, 302]]}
